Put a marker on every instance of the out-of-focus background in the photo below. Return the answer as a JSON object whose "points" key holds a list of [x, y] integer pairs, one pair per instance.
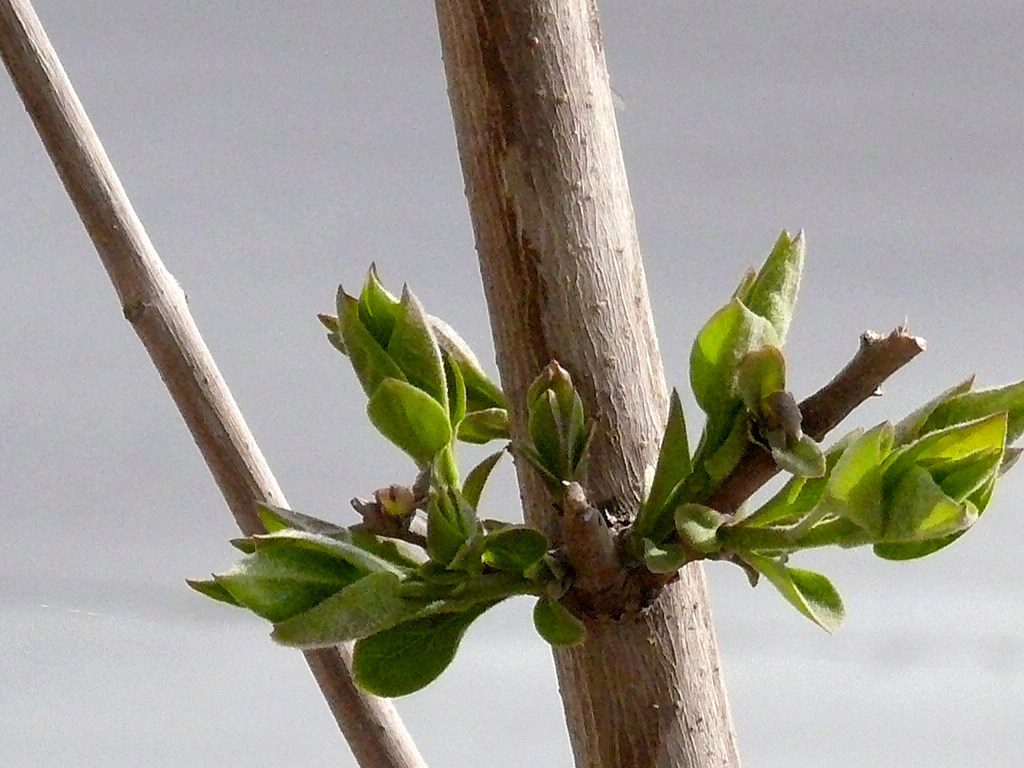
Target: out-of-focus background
{"points": [[274, 150]]}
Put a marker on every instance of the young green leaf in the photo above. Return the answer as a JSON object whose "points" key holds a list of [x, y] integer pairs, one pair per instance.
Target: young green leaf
{"points": [[456, 391], [803, 458], [277, 583], [673, 467], [482, 426], [773, 294], [725, 339], [664, 558], [213, 589], [279, 518], [969, 406], [698, 527], [854, 489], [415, 350], [760, 372], [919, 510], [378, 308], [481, 392], [411, 419], [365, 607], [911, 426], [369, 360], [473, 485], [514, 549], [405, 658], [556, 624], [810, 593]]}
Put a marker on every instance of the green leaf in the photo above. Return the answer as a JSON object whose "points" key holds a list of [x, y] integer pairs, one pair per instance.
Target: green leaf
{"points": [[910, 427], [673, 467], [213, 589], [545, 426], [278, 583], [279, 518], [725, 339], [774, 292], [365, 607], [445, 527], [369, 360], [912, 550], [803, 458], [556, 624], [473, 485], [341, 548], [456, 391], [411, 419], [482, 426], [481, 392], [970, 406], [919, 510], [378, 308], [729, 452], [515, 548], [810, 593], [664, 558], [854, 489], [761, 372], [698, 527], [413, 347], [948, 445], [410, 655]]}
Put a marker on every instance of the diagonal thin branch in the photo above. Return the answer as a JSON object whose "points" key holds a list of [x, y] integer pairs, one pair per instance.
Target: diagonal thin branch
{"points": [[154, 304]]}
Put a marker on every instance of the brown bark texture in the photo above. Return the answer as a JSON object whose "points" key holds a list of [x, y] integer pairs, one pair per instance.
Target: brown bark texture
{"points": [[154, 304], [561, 267]]}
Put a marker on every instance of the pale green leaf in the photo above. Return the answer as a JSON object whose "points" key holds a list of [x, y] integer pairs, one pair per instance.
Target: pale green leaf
{"points": [[810, 593], [664, 558], [413, 347], [411, 419], [369, 359], [774, 291], [473, 485]]}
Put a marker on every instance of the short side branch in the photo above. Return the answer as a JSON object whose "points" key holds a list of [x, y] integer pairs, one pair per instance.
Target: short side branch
{"points": [[878, 358]]}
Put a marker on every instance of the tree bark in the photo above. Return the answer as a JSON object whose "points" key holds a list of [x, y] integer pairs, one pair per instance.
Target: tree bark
{"points": [[560, 262]]}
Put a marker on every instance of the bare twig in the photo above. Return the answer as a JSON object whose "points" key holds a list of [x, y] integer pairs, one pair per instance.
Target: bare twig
{"points": [[878, 358], [154, 304]]}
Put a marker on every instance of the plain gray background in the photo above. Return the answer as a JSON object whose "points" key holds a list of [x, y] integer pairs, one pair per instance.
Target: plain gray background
{"points": [[273, 150]]}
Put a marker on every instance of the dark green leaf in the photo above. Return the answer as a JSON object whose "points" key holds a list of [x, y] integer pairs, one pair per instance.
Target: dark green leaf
{"points": [[810, 593], [728, 454], [773, 294], [408, 656], [369, 605], [515, 548], [411, 419], [556, 624], [483, 426], [369, 360], [912, 550], [473, 486]]}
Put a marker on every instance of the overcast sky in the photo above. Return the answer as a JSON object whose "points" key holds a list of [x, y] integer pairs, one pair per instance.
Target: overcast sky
{"points": [[274, 150]]}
